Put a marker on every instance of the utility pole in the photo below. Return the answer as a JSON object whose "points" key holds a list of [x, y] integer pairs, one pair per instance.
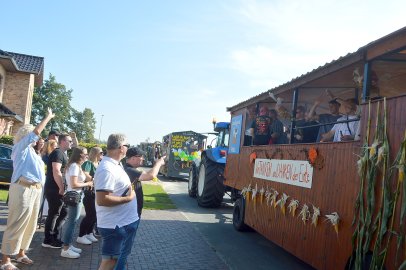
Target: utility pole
{"points": [[101, 123]]}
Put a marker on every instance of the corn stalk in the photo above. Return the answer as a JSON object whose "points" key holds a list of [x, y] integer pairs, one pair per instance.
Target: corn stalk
{"points": [[358, 235], [399, 164], [378, 256]]}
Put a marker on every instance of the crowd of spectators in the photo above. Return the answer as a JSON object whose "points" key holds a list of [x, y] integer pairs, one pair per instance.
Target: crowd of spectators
{"points": [[111, 194]]}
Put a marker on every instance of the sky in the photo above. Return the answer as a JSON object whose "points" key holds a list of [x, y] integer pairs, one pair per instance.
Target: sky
{"points": [[149, 68]]}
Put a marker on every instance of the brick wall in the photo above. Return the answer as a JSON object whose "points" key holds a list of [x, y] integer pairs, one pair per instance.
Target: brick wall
{"points": [[17, 95], [2, 79]]}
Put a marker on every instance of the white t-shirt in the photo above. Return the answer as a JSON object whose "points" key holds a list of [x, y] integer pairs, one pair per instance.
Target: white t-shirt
{"points": [[350, 128], [74, 170], [110, 176]]}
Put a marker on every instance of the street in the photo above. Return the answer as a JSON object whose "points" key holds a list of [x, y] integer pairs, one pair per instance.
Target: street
{"points": [[239, 250]]}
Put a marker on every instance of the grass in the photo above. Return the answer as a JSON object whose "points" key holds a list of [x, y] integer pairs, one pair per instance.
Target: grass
{"points": [[155, 198], [3, 194]]}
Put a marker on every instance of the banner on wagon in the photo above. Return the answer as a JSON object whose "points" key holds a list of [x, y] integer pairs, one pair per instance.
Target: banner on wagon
{"points": [[291, 172]]}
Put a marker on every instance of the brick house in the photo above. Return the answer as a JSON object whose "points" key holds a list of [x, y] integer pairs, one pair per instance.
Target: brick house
{"points": [[19, 74]]}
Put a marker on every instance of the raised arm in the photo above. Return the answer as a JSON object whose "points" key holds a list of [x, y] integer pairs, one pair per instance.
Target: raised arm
{"points": [[151, 174], [40, 127]]}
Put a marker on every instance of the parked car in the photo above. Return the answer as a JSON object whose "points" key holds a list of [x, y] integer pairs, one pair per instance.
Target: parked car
{"points": [[6, 164]]}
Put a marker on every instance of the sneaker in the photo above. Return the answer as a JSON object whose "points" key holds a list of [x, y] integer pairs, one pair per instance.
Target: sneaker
{"points": [[75, 249], [83, 240], [52, 244], [69, 254], [91, 237]]}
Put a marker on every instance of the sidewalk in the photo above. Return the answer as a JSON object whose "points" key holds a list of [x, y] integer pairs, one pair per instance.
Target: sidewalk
{"points": [[165, 240]]}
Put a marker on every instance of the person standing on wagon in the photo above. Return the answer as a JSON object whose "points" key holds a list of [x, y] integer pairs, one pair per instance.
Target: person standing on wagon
{"points": [[260, 129], [347, 131], [24, 194]]}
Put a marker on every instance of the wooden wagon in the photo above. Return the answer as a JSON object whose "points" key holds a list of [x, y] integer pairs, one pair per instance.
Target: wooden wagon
{"points": [[325, 175]]}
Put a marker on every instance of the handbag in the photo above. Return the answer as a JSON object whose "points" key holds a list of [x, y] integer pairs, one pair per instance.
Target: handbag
{"points": [[72, 198]]}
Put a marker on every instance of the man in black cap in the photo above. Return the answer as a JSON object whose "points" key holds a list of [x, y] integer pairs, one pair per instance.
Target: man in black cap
{"points": [[53, 135], [134, 160], [327, 118]]}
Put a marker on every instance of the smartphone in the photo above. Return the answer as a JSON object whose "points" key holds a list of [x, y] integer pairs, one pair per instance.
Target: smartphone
{"points": [[125, 193]]}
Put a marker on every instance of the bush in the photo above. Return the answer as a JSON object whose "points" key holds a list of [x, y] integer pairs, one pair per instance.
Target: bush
{"points": [[88, 146], [7, 139]]}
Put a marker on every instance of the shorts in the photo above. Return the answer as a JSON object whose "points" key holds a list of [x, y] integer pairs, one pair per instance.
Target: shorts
{"points": [[118, 240]]}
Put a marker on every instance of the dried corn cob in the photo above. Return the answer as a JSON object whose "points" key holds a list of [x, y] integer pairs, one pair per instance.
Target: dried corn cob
{"points": [[254, 194], [304, 213], [281, 202], [315, 216], [274, 197], [262, 194], [293, 205], [334, 219]]}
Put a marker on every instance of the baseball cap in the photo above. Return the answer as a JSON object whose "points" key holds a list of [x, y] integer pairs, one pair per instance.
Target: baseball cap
{"points": [[135, 151], [54, 132]]}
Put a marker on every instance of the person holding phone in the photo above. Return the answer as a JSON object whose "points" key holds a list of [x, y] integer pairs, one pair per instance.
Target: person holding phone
{"points": [[116, 206]]}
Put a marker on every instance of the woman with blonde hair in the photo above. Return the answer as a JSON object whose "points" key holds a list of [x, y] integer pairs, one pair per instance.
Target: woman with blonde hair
{"points": [[49, 146], [75, 180], [87, 225], [24, 194]]}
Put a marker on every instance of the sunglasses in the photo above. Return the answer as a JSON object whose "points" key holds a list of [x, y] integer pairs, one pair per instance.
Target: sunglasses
{"points": [[127, 145]]}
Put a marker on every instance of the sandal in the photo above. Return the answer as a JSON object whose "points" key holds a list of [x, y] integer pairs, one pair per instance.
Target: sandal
{"points": [[24, 260], [8, 266]]}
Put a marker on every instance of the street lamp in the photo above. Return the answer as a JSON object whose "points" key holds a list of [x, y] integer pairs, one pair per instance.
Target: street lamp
{"points": [[101, 123], [214, 121]]}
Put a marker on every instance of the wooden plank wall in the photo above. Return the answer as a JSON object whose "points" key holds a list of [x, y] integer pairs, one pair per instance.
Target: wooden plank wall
{"points": [[334, 189]]}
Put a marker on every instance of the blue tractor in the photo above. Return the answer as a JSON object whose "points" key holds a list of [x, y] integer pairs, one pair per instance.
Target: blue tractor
{"points": [[206, 174]]}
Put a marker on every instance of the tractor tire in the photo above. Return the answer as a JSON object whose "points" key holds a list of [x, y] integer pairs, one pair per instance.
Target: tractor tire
{"points": [[239, 215], [210, 187], [192, 184]]}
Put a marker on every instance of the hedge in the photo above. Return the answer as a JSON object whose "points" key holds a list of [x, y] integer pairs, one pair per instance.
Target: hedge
{"points": [[7, 139]]}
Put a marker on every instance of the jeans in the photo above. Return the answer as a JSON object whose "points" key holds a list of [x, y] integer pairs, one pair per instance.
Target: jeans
{"points": [[88, 222], [117, 243], [70, 224], [56, 214]]}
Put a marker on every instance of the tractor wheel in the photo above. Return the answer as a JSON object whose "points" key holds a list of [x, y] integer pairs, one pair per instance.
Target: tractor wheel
{"points": [[192, 184], [210, 187]]}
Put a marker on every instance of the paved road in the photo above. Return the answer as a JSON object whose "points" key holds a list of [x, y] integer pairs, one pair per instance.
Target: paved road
{"points": [[247, 250]]}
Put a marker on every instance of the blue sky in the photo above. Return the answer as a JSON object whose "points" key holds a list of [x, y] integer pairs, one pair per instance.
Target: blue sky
{"points": [[159, 66]]}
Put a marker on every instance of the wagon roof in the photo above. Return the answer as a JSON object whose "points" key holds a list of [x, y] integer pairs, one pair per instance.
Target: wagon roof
{"points": [[382, 46]]}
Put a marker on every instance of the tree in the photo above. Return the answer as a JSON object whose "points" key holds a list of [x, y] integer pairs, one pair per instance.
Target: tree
{"points": [[55, 96], [84, 125]]}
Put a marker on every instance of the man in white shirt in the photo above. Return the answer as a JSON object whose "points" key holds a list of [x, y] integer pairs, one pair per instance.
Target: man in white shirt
{"points": [[116, 206], [346, 131]]}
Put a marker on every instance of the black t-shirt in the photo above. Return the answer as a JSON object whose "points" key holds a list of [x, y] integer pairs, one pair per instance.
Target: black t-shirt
{"points": [[262, 133], [57, 156], [134, 175], [309, 135]]}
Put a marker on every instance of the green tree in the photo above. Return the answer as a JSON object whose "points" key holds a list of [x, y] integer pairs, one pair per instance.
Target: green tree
{"points": [[84, 124], [55, 96]]}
